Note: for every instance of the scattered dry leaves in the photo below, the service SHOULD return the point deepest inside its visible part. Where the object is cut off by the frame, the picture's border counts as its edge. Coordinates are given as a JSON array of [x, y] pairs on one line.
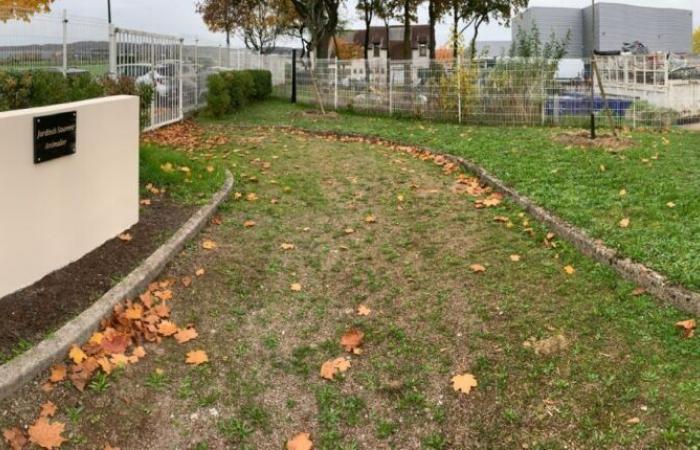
[[334, 366]]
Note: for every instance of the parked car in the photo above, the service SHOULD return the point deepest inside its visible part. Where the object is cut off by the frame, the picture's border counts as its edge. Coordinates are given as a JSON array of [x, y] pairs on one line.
[[71, 71], [685, 73], [143, 74]]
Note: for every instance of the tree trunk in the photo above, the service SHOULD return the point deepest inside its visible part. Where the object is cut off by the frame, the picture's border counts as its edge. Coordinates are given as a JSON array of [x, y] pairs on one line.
[[368, 23], [407, 30], [455, 31], [473, 43], [431, 21], [388, 54]]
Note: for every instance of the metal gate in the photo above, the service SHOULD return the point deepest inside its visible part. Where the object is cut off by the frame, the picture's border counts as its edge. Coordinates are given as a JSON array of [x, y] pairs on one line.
[[154, 60]]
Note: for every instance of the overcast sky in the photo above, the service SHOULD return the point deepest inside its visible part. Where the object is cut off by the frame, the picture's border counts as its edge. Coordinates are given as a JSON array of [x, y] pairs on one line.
[[178, 17]]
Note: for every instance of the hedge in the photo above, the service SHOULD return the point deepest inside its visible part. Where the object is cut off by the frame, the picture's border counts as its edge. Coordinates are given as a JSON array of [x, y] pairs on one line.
[[231, 90], [28, 89]]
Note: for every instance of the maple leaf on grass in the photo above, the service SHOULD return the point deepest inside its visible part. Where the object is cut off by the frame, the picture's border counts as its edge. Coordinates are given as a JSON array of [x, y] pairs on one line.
[[249, 224], [77, 354], [295, 287], [351, 341], [464, 383], [199, 272], [477, 268], [15, 438], [285, 246], [569, 270], [46, 434], [186, 335], [196, 357], [362, 310], [208, 244], [167, 328], [58, 373], [300, 441], [624, 223], [333, 366], [48, 409], [688, 327]]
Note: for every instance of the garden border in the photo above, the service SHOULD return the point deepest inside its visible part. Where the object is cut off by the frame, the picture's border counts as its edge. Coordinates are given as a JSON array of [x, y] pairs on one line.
[[653, 282], [23, 368]]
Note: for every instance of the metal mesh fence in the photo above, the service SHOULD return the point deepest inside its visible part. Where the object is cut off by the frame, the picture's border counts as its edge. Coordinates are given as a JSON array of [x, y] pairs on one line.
[[504, 91], [655, 90]]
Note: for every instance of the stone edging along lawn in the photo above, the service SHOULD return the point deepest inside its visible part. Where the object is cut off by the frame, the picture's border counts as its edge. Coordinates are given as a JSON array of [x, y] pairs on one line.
[[23, 368], [654, 283]]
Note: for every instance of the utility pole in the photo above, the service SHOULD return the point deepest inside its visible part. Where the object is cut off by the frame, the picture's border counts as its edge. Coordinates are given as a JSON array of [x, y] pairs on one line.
[[109, 11]]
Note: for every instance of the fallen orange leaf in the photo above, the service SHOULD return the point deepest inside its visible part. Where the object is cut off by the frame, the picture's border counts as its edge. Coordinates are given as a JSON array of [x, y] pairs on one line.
[[296, 287], [477, 268], [196, 357], [186, 335], [286, 246], [15, 438], [125, 237], [688, 327], [48, 409], [208, 244], [352, 340], [464, 383], [333, 366], [249, 223], [77, 354], [569, 270], [167, 328], [46, 434], [199, 272], [58, 373], [300, 441], [362, 310]]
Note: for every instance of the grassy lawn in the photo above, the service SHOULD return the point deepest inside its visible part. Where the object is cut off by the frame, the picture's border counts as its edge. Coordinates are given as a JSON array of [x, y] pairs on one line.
[[625, 378], [582, 186]]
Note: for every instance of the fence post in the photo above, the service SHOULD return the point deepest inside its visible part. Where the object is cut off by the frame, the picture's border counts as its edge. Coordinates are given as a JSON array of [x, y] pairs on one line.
[[65, 43], [238, 59], [112, 51], [294, 76], [543, 74], [459, 88], [391, 90], [335, 94], [181, 84], [221, 64]]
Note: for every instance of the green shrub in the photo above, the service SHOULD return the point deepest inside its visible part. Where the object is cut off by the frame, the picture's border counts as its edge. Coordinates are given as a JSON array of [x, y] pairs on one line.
[[236, 89], [263, 83], [48, 88], [218, 99], [240, 86], [83, 87], [15, 90], [127, 86]]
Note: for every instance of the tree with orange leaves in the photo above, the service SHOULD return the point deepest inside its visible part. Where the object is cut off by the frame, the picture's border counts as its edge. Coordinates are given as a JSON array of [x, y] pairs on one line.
[[23, 9]]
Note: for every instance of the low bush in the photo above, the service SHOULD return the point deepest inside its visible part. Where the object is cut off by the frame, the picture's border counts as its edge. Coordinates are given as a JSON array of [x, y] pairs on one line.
[[218, 100], [231, 90], [263, 83], [127, 86], [27, 89]]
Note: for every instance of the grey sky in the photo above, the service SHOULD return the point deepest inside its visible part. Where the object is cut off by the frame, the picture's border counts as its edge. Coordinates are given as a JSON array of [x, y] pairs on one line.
[[178, 17]]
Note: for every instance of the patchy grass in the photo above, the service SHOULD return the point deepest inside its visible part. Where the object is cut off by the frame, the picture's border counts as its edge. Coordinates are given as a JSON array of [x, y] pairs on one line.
[[581, 185], [432, 318], [185, 178]]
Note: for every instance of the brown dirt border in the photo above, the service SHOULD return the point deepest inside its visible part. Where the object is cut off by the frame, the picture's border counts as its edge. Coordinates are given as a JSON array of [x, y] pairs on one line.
[[20, 370], [654, 283]]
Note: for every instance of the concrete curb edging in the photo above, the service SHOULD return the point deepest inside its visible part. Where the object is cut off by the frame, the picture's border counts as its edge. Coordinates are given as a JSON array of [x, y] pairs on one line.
[[654, 283], [18, 371]]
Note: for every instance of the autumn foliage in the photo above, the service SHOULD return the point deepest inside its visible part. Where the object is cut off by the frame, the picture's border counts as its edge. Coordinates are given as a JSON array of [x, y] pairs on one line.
[[23, 9]]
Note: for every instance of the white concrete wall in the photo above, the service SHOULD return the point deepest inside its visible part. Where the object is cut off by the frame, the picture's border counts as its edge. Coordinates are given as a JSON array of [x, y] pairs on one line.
[[53, 213]]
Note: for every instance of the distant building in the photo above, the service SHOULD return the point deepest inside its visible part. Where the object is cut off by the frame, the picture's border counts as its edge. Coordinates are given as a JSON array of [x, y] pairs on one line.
[[380, 48], [659, 29]]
